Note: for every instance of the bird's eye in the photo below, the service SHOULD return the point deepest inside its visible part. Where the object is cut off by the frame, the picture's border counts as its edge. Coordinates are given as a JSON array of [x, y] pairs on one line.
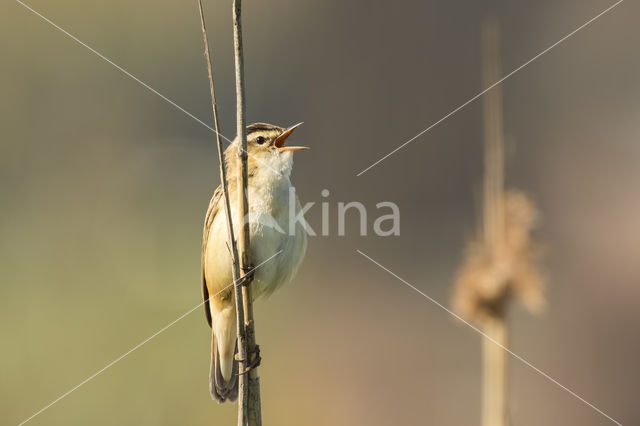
[[260, 140]]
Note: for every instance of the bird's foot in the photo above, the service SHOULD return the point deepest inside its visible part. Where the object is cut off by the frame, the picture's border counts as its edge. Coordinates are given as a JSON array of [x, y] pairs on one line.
[[247, 275], [255, 357], [255, 360]]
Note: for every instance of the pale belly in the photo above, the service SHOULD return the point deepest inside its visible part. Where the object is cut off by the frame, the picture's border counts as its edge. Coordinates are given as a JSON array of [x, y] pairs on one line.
[[275, 254]]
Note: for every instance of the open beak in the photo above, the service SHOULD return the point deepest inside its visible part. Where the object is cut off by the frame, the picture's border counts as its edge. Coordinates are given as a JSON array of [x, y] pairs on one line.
[[280, 140]]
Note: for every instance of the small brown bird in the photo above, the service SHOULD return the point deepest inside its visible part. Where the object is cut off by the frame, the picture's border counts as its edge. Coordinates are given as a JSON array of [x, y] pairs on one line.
[[273, 229]]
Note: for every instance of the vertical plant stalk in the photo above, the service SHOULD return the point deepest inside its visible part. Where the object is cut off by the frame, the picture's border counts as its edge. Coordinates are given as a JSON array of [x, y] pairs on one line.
[[502, 259], [494, 370], [236, 258], [494, 391], [249, 409]]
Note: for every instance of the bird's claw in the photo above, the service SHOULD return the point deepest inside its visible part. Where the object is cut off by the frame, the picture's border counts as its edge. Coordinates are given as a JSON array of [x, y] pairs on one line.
[[254, 362], [256, 359], [247, 275]]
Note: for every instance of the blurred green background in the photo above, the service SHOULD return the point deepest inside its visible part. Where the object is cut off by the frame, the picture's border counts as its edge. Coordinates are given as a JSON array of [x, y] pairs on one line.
[[104, 188]]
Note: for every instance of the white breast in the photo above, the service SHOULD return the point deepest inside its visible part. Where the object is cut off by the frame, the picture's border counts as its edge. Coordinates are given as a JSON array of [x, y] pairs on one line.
[[270, 211], [269, 234]]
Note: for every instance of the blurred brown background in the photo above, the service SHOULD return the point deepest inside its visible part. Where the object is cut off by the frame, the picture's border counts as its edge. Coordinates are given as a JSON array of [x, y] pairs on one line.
[[104, 187]]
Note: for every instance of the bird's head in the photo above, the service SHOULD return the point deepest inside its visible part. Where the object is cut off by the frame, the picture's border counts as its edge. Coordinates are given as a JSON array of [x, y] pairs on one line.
[[266, 148]]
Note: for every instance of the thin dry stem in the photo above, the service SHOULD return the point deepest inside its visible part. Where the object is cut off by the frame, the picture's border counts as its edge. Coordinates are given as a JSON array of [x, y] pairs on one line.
[[236, 267], [501, 260], [248, 404], [494, 371], [249, 408]]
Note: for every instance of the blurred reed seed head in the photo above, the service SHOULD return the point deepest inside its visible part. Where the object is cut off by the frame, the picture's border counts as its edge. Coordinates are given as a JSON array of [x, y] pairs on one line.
[[493, 273]]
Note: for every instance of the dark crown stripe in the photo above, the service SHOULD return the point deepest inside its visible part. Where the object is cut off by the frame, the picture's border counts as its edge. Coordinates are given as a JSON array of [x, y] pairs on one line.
[[261, 127]]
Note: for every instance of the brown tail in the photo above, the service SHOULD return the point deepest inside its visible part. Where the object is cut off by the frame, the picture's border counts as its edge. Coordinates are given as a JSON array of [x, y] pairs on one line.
[[220, 389]]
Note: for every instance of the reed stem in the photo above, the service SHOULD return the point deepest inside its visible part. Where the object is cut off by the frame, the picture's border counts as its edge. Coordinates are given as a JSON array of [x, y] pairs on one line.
[[494, 363], [494, 393]]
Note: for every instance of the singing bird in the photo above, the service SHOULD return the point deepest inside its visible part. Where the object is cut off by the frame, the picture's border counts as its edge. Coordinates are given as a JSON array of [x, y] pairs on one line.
[[274, 229]]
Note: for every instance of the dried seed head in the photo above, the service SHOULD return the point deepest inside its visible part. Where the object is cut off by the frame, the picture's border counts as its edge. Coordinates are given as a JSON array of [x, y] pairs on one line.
[[492, 274]]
